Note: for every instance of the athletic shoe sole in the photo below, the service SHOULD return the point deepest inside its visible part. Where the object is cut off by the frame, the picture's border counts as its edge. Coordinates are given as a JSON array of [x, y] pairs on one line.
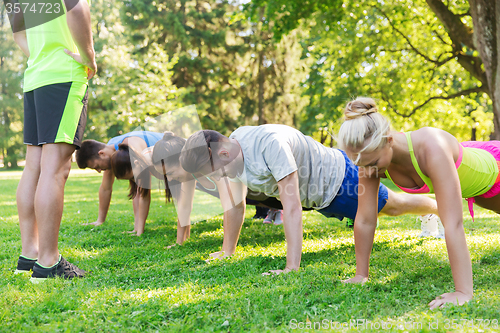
[[20, 271], [63, 269], [38, 280]]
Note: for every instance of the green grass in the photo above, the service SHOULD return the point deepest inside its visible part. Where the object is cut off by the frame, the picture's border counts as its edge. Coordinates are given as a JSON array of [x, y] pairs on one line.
[[137, 284]]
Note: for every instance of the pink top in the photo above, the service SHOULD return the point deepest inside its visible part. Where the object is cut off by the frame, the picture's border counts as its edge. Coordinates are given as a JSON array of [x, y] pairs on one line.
[[424, 189]]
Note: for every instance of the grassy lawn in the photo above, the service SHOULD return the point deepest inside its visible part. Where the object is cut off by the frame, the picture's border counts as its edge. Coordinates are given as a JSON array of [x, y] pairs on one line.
[[137, 284]]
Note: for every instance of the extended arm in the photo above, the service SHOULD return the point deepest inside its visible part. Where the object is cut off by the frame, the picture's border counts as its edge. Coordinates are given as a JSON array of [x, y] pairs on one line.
[[105, 191], [184, 208], [292, 219], [141, 203], [79, 23], [364, 225], [141, 210], [440, 167], [232, 196]]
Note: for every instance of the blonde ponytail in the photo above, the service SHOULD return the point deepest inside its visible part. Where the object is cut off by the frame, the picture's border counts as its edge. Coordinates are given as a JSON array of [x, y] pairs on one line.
[[363, 122]]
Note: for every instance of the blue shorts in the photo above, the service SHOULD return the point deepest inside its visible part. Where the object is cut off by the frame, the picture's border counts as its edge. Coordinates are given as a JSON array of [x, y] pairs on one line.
[[345, 203]]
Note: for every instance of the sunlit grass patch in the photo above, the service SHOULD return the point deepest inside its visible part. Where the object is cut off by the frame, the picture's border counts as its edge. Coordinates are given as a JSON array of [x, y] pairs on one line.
[[138, 284]]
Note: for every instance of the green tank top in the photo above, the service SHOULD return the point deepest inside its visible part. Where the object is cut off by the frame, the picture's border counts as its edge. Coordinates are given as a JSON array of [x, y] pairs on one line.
[[477, 170], [48, 63]]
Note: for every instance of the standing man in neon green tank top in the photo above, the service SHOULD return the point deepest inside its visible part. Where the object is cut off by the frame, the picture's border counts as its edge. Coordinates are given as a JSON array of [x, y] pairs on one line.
[[56, 36]]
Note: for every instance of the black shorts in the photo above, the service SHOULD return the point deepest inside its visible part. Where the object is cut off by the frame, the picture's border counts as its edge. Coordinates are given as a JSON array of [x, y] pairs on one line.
[[55, 113]]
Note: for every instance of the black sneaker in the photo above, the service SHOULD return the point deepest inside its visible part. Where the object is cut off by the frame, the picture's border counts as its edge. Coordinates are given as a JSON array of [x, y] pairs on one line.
[[24, 265], [260, 212], [63, 269]]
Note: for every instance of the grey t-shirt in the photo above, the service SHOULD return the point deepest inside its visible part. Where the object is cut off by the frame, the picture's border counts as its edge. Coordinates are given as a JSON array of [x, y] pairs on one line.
[[272, 152]]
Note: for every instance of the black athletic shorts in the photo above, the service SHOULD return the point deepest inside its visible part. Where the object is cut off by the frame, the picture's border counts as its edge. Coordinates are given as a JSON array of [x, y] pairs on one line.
[[55, 113]]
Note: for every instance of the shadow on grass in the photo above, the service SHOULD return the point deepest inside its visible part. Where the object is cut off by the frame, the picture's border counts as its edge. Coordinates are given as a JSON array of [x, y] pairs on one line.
[[149, 254]]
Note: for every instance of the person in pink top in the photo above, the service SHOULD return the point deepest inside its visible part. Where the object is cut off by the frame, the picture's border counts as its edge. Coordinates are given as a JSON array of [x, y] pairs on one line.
[[428, 160]]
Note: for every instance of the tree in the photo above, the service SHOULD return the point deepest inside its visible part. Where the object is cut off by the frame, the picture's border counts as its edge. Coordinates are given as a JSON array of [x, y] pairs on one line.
[[207, 48], [486, 39], [130, 88], [276, 70], [283, 16], [233, 71], [419, 44], [415, 77]]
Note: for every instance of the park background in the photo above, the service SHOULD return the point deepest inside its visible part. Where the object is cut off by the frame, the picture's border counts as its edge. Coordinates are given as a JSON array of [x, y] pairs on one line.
[[276, 61], [427, 63]]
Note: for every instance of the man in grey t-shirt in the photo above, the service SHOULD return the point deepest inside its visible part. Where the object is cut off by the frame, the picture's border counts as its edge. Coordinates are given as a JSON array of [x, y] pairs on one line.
[[280, 161], [272, 152]]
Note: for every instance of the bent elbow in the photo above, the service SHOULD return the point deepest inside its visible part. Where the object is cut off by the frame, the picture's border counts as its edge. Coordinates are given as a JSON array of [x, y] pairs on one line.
[[77, 12], [293, 211], [365, 223], [454, 227]]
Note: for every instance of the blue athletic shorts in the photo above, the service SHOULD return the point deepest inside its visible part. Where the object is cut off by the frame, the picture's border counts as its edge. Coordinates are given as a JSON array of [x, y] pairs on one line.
[[345, 204]]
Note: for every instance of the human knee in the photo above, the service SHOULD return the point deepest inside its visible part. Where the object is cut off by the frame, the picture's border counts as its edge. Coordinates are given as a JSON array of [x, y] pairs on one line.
[[56, 172], [64, 170], [32, 168], [394, 205], [392, 210]]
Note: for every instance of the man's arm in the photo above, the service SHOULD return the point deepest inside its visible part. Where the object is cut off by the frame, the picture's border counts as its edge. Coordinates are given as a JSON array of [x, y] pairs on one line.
[[184, 208], [232, 196], [19, 29], [105, 191], [141, 214], [22, 41], [79, 23], [292, 220]]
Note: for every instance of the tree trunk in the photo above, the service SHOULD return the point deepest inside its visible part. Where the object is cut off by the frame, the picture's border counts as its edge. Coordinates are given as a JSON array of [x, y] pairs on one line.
[[261, 80], [323, 136], [485, 17], [10, 160]]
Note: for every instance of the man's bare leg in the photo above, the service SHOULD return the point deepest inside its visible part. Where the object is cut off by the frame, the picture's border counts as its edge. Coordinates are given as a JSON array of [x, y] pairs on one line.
[[404, 203], [25, 197], [49, 199]]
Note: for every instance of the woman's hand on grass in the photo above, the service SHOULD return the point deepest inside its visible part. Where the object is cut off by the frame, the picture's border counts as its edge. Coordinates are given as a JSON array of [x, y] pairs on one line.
[[217, 256], [96, 223], [357, 279], [456, 298], [278, 271], [133, 232]]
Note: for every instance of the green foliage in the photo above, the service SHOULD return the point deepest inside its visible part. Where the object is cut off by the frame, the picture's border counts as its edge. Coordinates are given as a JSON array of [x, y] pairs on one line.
[[283, 16], [11, 93], [233, 72], [130, 87], [398, 54], [272, 92], [138, 284], [195, 33], [268, 61]]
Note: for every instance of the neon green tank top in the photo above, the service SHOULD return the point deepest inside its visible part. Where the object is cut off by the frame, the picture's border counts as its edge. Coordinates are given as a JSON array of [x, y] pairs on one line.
[[477, 170], [48, 63]]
